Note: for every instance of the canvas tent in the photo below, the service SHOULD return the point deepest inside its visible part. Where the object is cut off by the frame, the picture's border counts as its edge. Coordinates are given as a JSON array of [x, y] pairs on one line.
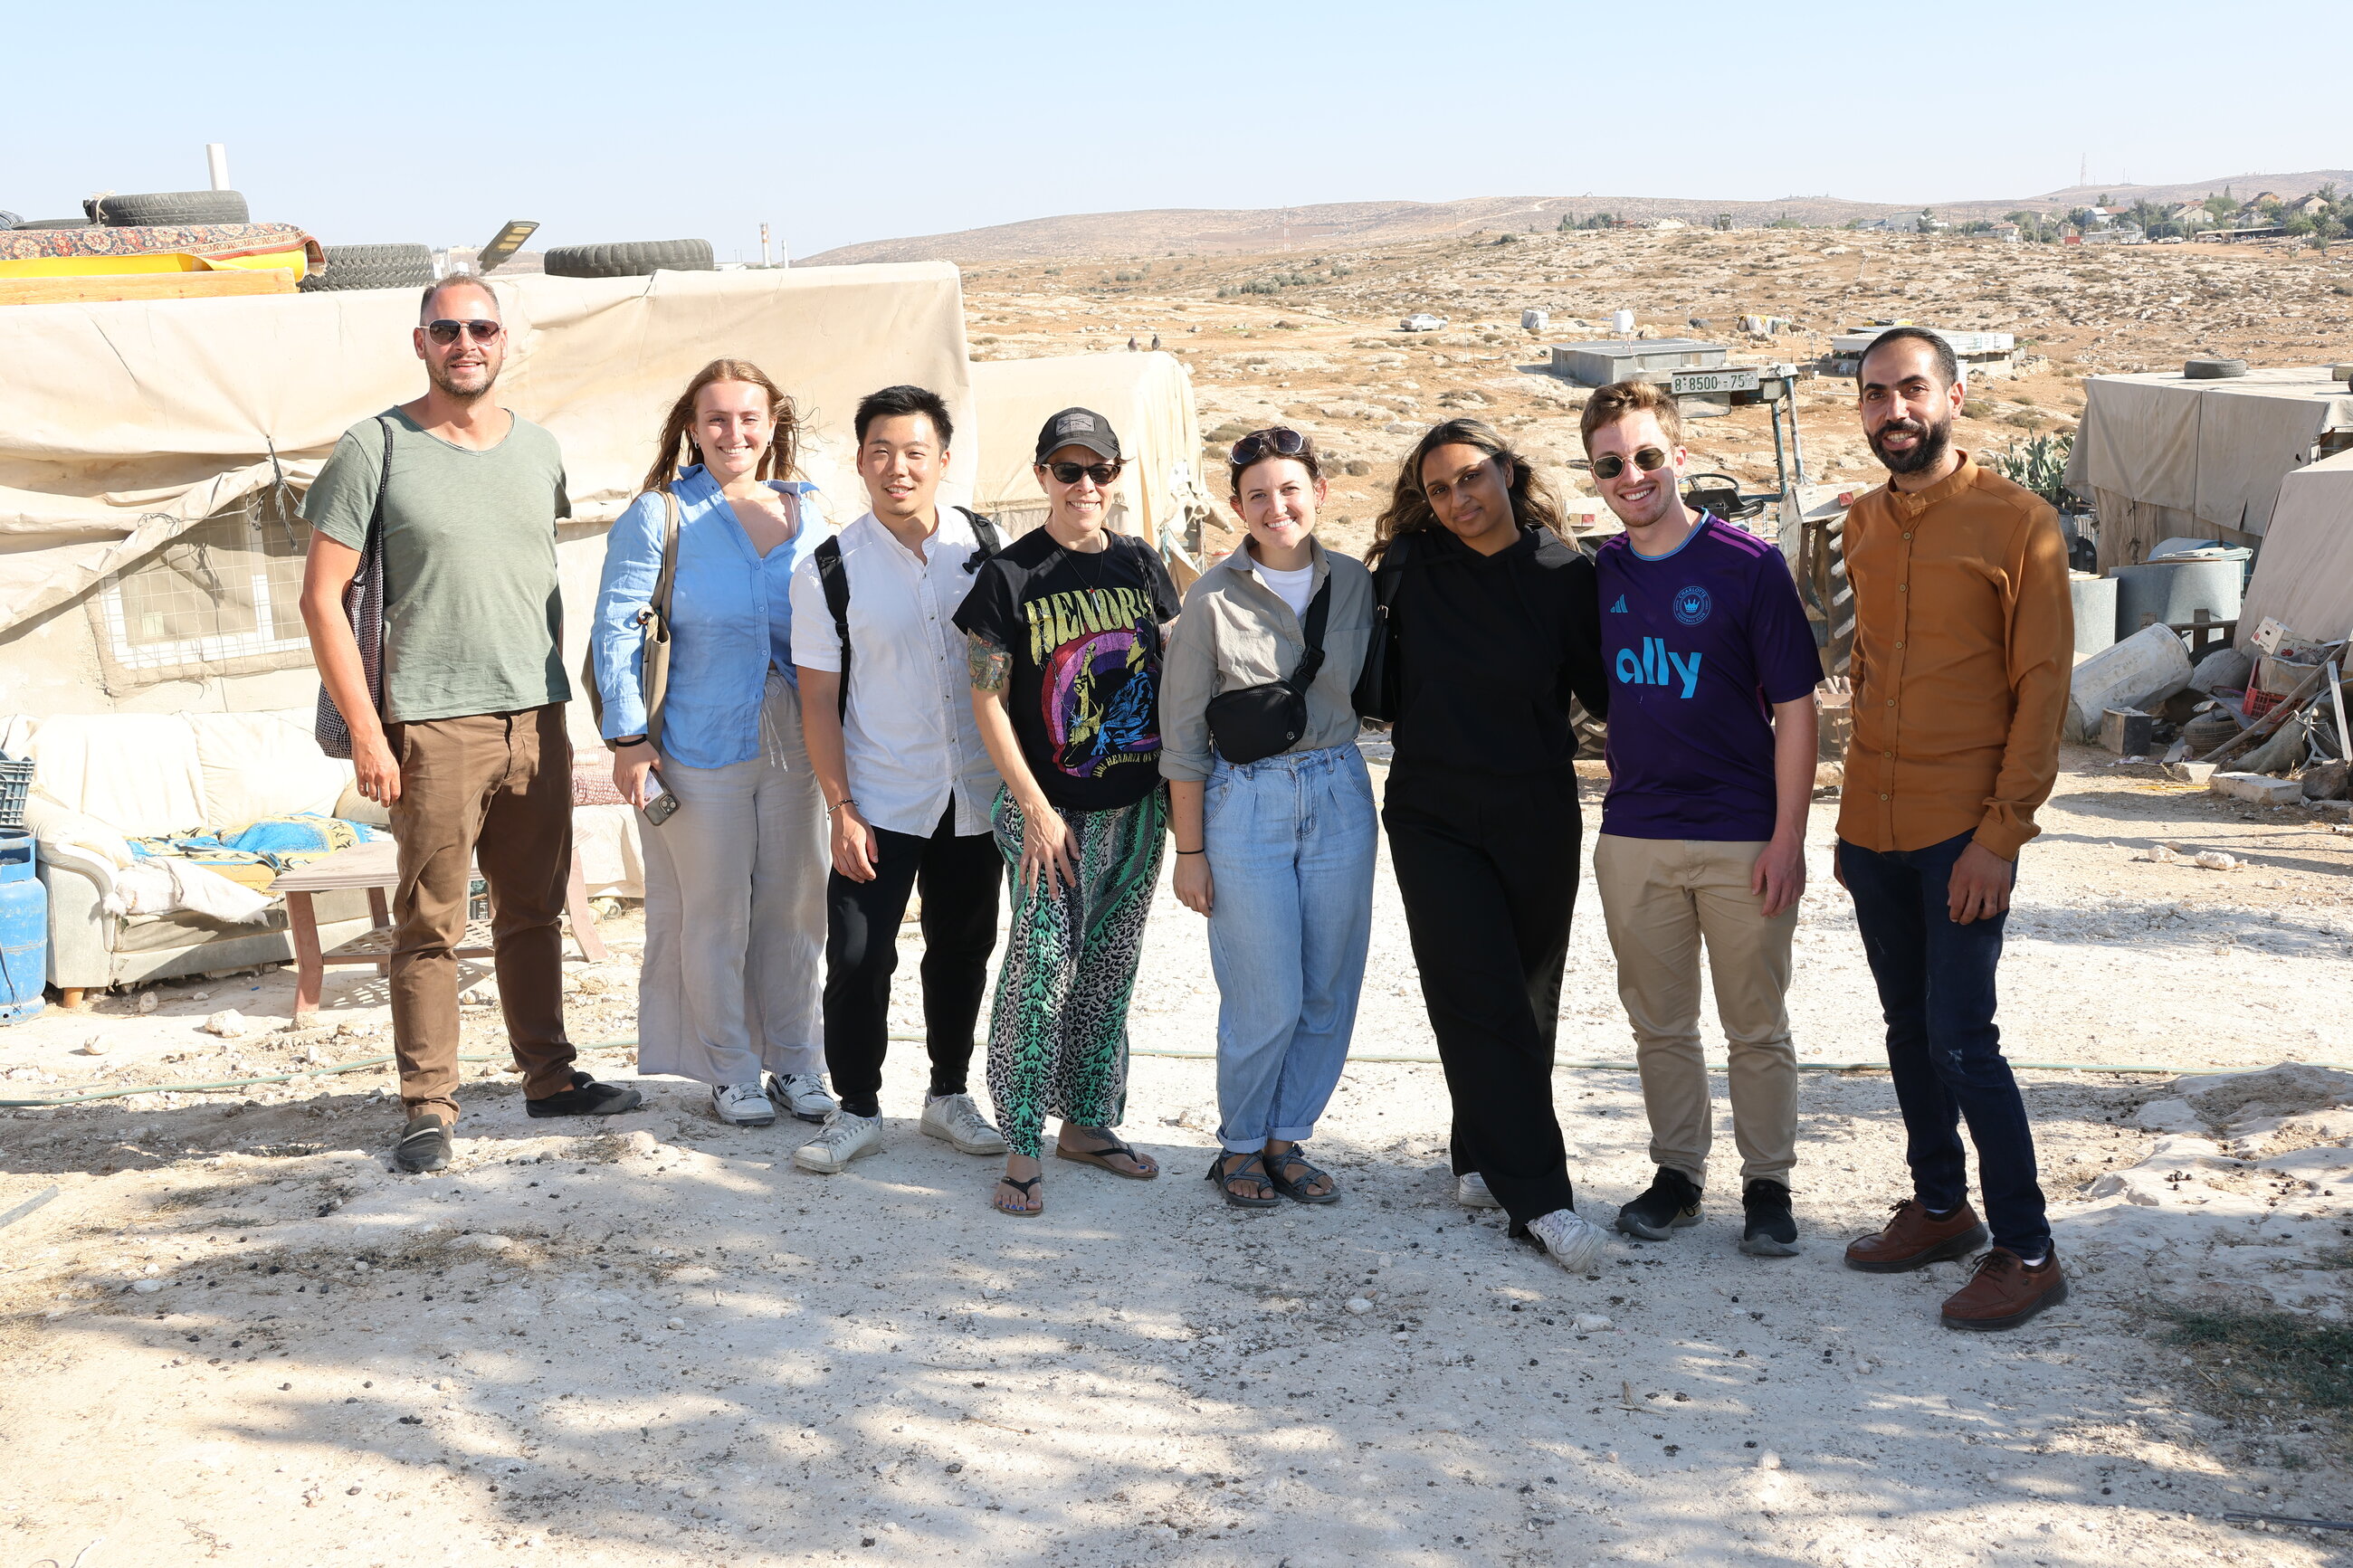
[[147, 558], [1148, 397], [2303, 577], [2164, 458]]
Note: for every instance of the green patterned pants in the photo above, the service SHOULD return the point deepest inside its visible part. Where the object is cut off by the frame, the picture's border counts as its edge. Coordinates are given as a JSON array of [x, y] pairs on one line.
[[1058, 1037]]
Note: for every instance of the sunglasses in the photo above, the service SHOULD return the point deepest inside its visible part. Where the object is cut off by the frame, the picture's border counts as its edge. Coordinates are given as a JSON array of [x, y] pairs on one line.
[[1068, 473], [445, 332], [1609, 465], [1277, 441]]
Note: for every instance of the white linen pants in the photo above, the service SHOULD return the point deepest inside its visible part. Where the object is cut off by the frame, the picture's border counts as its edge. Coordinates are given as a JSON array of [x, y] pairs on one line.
[[735, 913]]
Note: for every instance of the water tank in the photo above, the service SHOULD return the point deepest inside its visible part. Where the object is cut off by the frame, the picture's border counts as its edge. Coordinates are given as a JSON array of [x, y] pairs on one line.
[[2175, 591], [2095, 612], [24, 928]]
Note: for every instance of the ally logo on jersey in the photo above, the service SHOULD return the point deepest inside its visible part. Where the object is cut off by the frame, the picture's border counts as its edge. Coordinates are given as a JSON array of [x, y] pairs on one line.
[[1656, 665]]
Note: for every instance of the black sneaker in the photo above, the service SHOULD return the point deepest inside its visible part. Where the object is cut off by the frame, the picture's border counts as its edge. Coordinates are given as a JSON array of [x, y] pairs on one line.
[[1672, 1204], [586, 1097], [424, 1145], [1772, 1230]]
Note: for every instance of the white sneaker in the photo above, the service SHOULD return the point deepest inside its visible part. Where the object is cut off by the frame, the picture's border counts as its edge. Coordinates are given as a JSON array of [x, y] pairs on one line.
[[845, 1138], [741, 1104], [957, 1118], [1573, 1240], [1471, 1192], [803, 1094]]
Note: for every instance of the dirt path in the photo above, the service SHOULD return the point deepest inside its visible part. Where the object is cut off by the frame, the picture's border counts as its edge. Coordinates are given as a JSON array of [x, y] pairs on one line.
[[236, 1336]]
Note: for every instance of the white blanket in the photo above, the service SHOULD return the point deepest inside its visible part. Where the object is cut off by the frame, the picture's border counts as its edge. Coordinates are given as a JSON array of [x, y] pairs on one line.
[[163, 886]]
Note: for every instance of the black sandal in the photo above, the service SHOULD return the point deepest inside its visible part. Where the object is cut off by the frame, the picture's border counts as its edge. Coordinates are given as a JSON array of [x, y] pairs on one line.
[[1225, 1180], [1102, 1158], [1295, 1188], [1025, 1187]]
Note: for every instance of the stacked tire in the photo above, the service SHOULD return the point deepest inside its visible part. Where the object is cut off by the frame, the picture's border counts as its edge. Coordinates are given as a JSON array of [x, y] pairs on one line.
[[636, 259], [169, 210], [371, 267]]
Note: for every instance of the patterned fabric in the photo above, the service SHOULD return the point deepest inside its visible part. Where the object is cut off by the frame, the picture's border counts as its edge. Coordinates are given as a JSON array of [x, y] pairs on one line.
[[214, 242], [1058, 1037]]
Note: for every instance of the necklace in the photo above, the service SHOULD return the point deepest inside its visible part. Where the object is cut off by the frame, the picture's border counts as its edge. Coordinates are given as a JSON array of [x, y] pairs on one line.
[[1094, 589]]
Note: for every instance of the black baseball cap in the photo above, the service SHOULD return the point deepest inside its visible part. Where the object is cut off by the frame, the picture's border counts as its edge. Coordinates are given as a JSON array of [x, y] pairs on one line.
[[1079, 427]]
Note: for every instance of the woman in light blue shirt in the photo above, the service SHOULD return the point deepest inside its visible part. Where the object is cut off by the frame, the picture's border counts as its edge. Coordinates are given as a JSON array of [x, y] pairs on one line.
[[734, 873]]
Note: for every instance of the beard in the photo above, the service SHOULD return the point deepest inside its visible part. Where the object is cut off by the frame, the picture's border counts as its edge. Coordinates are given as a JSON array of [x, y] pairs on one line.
[[1928, 447], [478, 380]]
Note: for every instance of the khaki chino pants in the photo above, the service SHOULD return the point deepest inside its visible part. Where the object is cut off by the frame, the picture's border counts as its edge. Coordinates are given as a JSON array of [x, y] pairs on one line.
[[1662, 898], [492, 788]]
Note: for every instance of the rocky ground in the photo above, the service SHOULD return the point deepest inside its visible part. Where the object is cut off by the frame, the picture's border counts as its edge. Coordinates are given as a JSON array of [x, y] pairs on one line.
[[236, 1335], [1310, 337]]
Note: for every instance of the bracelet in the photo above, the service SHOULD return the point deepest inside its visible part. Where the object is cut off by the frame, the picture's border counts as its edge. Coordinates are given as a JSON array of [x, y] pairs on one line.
[[1192, 852], [845, 800]]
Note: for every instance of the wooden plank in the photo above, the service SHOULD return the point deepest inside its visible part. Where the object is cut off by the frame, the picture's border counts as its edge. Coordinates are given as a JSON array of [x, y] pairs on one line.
[[101, 288]]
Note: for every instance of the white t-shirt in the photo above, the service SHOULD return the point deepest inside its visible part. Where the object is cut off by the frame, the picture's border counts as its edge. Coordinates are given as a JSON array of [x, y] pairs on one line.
[[1294, 588]]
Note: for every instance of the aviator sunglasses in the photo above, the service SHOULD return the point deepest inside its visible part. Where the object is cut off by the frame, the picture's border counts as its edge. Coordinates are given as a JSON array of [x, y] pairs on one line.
[[1276, 441], [1609, 465], [1067, 473], [446, 332]]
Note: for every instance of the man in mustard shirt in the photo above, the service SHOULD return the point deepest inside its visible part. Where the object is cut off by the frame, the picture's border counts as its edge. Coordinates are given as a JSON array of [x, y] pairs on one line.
[[1962, 659]]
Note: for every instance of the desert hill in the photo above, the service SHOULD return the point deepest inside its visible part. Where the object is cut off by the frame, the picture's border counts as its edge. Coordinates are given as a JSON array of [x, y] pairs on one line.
[[1229, 231]]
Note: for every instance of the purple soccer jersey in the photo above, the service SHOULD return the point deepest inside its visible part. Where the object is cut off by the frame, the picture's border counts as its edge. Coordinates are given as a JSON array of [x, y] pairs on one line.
[[1697, 645]]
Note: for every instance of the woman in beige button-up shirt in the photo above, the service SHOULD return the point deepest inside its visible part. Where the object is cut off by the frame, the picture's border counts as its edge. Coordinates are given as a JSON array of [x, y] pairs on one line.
[[1277, 853]]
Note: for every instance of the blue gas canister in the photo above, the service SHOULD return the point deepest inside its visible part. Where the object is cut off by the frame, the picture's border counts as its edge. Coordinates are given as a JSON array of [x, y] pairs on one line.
[[24, 928]]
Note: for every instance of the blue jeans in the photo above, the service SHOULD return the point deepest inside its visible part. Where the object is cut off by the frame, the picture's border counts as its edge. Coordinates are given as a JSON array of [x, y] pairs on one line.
[[1290, 842], [1944, 1050]]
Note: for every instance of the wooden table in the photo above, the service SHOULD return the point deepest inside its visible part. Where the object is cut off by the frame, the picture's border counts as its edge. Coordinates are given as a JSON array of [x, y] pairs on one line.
[[376, 867]]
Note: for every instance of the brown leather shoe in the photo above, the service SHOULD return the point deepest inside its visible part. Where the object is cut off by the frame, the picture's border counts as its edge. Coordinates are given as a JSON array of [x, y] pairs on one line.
[[1914, 1239], [2004, 1292]]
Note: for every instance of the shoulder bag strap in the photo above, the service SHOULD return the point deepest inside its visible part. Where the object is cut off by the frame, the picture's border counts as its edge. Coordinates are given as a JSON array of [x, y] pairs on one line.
[[991, 542], [668, 574], [833, 576], [1310, 663]]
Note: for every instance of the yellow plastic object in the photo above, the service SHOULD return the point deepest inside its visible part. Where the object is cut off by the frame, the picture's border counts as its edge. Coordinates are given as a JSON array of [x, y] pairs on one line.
[[293, 258]]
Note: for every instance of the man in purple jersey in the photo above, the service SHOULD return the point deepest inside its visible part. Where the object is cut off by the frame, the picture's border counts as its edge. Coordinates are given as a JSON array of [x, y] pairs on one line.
[[1711, 669]]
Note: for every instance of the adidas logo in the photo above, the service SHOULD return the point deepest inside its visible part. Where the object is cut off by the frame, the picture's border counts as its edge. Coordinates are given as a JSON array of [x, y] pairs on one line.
[[1619, 607]]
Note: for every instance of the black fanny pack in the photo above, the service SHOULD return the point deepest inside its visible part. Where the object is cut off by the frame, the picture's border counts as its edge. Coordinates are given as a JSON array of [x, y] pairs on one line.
[[1253, 723]]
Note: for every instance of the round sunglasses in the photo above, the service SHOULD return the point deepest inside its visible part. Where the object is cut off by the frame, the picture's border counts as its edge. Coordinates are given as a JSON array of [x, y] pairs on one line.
[[1609, 465], [1275, 441]]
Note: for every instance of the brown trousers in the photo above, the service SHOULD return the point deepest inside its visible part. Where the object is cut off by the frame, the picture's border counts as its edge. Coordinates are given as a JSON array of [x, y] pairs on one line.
[[496, 788], [1663, 897]]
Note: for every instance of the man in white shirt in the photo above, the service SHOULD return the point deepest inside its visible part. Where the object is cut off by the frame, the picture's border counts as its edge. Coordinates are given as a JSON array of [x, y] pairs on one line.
[[908, 784]]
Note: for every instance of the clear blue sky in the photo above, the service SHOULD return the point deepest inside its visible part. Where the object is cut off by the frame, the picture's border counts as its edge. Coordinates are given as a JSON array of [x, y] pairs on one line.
[[867, 120]]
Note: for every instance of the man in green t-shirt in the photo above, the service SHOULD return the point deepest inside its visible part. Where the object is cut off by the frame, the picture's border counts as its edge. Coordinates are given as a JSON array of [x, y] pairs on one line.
[[468, 753]]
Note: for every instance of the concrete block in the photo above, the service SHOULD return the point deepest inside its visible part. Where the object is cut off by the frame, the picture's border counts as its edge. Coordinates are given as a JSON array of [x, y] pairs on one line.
[[2125, 732], [2261, 789], [2190, 773]]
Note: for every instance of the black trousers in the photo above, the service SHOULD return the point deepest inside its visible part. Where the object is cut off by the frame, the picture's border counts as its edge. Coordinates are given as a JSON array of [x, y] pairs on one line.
[[961, 879], [1487, 867]]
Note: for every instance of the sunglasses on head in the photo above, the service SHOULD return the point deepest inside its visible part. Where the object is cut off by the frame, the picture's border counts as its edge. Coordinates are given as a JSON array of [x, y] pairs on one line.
[[1609, 465], [1276, 441], [1067, 473], [446, 332]]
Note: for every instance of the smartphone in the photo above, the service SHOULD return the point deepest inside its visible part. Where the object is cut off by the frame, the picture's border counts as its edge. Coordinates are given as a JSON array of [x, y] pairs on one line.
[[661, 805]]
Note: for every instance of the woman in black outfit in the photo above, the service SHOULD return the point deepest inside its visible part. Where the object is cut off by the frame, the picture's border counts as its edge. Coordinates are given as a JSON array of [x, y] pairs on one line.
[[1497, 625]]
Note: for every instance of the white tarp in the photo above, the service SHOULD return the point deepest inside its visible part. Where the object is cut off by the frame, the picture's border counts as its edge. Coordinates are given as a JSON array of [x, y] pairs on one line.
[[123, 424], [2166, 456], [1148, 397], [2304, 575]]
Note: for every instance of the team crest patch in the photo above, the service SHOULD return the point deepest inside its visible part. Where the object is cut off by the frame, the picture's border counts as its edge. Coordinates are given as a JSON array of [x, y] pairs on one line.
[[1692, 604]]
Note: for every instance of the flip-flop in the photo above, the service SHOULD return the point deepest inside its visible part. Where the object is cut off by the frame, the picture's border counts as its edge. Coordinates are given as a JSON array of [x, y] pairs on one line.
[[1225, 1178], [1101, 1157], [1295, 1188], [1025, 1188]]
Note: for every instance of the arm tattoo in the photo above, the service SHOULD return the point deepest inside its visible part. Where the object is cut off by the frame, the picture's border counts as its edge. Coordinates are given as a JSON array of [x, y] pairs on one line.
[[991, 665]]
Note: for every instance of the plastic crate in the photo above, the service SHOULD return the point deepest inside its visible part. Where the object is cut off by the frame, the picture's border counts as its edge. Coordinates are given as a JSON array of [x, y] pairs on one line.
[[15, 784]]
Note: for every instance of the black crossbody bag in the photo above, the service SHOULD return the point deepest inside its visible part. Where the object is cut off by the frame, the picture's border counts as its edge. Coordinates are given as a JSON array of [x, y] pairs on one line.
[[1378, 695], [1253, 723]]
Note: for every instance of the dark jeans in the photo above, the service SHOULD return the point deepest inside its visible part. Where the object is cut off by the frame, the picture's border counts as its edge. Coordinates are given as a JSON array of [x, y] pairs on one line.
[[960, 878], [1487, 869], [1943, 1049]]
